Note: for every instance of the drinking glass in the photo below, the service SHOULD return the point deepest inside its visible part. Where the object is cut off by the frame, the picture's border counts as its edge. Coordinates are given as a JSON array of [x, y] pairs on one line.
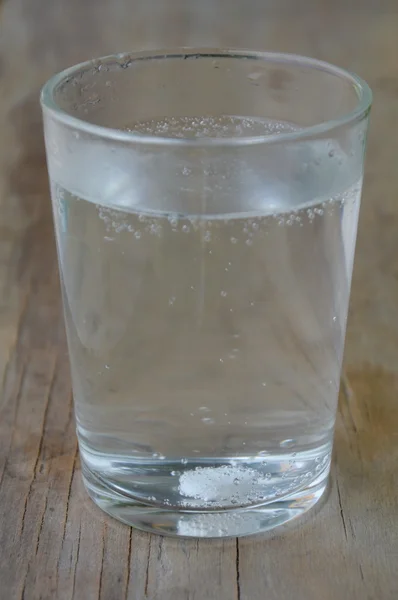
[[205, 207]]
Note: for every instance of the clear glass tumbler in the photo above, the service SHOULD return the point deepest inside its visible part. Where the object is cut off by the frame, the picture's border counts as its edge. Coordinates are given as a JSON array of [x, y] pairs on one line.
[[205, 206]]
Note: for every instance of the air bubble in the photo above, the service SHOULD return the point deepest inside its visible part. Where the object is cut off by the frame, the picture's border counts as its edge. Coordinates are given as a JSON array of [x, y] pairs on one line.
[[208, 420], [155, 229], [137, 235], [223, 294], [172, 300], [234, 240], [185, 228], [249, 242], [158, 455]]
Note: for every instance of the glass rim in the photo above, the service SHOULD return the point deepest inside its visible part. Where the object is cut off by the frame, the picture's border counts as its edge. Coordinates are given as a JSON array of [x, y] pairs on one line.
[[359, 112]]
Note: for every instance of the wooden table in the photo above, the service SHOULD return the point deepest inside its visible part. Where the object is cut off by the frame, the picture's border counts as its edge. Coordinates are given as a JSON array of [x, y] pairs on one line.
[[54, 543]]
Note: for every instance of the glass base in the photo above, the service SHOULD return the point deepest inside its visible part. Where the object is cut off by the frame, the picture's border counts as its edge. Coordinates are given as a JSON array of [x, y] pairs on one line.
[[205, 524]]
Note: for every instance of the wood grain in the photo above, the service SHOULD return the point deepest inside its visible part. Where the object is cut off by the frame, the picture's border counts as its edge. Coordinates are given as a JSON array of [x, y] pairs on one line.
[[54, 543]]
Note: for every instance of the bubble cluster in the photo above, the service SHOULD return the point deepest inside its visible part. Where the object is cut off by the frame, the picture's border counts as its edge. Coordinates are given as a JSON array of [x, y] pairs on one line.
[[211, 126], [222, 485]]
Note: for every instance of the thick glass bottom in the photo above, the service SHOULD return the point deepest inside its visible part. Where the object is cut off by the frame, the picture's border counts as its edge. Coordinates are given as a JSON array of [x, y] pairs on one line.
[[230, 522]]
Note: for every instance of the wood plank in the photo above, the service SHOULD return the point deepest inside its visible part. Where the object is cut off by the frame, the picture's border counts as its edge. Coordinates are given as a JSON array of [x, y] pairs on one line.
[[54, 543]]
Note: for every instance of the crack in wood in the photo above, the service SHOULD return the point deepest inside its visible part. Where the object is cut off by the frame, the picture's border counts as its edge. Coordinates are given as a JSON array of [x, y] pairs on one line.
[[67, 516], [70, 411], [238, 595], [348, 396], [24, 586], [76, 561], [69, 493], [147, 568], [104, 531], [341, 510], [40, 447], [128, 563], [41, 525]]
